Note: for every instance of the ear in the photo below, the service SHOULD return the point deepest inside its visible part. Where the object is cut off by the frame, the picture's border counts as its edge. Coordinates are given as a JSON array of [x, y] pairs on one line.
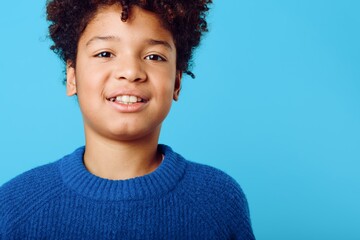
[[70, 79], [177, 86]]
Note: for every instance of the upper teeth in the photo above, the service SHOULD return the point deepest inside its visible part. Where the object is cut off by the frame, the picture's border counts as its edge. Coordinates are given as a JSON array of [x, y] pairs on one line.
[[127, 99]]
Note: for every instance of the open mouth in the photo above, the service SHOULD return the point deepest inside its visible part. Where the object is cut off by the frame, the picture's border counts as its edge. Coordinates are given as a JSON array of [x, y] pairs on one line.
[[127, 99]]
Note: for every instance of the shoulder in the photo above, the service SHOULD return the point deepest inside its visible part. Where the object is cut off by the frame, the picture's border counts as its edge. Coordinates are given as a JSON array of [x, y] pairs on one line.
[[198, 174], [220, 199], [27, 192], [36, 177], [214, 179], [42, 179]]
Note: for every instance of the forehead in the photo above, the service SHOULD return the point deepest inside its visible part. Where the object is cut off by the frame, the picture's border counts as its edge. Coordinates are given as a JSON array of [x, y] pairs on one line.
[[141, 22]]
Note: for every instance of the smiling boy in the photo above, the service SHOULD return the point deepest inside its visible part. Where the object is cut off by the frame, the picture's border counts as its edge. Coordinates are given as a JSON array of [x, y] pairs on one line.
[[125, 68], [125, 80]]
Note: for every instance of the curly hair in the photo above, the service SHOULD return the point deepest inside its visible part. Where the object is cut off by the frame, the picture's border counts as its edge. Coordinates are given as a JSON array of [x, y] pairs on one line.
[[185, 19]]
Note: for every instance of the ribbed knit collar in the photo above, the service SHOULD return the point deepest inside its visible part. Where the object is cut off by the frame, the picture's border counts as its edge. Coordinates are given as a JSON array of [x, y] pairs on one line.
[[157, 183]]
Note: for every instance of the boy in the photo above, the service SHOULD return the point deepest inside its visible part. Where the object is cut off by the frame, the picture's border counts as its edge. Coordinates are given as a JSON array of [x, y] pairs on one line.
[[124, 62]]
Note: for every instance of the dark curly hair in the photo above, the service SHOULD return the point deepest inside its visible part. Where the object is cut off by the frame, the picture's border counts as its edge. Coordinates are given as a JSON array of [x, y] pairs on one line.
[[185, 19]]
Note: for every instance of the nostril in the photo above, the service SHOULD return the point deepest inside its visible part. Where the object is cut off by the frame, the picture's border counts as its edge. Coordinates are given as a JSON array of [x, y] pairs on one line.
[[131, 70]]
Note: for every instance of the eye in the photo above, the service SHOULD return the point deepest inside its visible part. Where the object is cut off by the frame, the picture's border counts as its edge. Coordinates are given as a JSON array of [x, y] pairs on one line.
[[104, 55], [155, 57]]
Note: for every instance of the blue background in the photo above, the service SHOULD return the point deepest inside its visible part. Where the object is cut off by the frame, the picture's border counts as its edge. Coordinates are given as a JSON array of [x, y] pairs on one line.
[[276, 104]]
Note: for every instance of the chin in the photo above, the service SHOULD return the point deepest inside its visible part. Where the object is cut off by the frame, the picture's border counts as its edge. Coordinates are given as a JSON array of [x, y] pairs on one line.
[[134, 135]]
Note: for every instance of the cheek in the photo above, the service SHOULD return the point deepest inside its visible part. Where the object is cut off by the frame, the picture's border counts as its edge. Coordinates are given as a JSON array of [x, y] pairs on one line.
[[89, 91], [167, 91], [167, 98], [90, 80]]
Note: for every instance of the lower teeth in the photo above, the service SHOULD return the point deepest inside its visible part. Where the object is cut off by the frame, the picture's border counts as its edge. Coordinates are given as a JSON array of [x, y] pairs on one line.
[[126, 103]]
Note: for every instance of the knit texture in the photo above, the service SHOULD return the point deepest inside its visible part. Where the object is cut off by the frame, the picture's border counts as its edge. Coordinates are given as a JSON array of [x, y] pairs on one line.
[[179, 200]]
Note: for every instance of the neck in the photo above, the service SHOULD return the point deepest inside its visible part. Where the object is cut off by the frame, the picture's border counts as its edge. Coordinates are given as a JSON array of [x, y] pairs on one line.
[[120, 160]]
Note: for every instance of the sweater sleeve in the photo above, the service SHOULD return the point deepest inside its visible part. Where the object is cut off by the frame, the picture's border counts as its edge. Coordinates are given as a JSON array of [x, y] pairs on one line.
[[2, 215], [238, 216], [221, 202], [24, 195], [6, 208]]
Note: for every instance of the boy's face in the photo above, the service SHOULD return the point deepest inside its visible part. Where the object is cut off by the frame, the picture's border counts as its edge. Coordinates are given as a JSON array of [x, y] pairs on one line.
[[125, 75]]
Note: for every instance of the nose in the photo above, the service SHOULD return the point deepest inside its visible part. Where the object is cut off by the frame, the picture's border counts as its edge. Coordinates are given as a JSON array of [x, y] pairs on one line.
[[131, 69]]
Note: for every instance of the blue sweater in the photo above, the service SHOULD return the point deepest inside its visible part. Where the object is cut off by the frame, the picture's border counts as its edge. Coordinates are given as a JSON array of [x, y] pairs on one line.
[[179, 200]]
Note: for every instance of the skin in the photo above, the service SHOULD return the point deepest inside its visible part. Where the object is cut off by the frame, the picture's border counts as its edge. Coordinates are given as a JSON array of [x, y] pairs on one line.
[[137, 57]]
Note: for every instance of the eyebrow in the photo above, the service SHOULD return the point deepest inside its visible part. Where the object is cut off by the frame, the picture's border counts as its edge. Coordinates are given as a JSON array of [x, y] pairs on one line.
[[153, 42], [102, 38], [149, 41]]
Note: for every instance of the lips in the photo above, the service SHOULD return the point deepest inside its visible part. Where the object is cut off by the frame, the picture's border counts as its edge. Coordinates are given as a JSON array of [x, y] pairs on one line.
[[127, 100]]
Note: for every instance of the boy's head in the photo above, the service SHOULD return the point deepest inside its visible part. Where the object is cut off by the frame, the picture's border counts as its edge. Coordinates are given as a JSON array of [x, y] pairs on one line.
[[185, 19], [125, 60]]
